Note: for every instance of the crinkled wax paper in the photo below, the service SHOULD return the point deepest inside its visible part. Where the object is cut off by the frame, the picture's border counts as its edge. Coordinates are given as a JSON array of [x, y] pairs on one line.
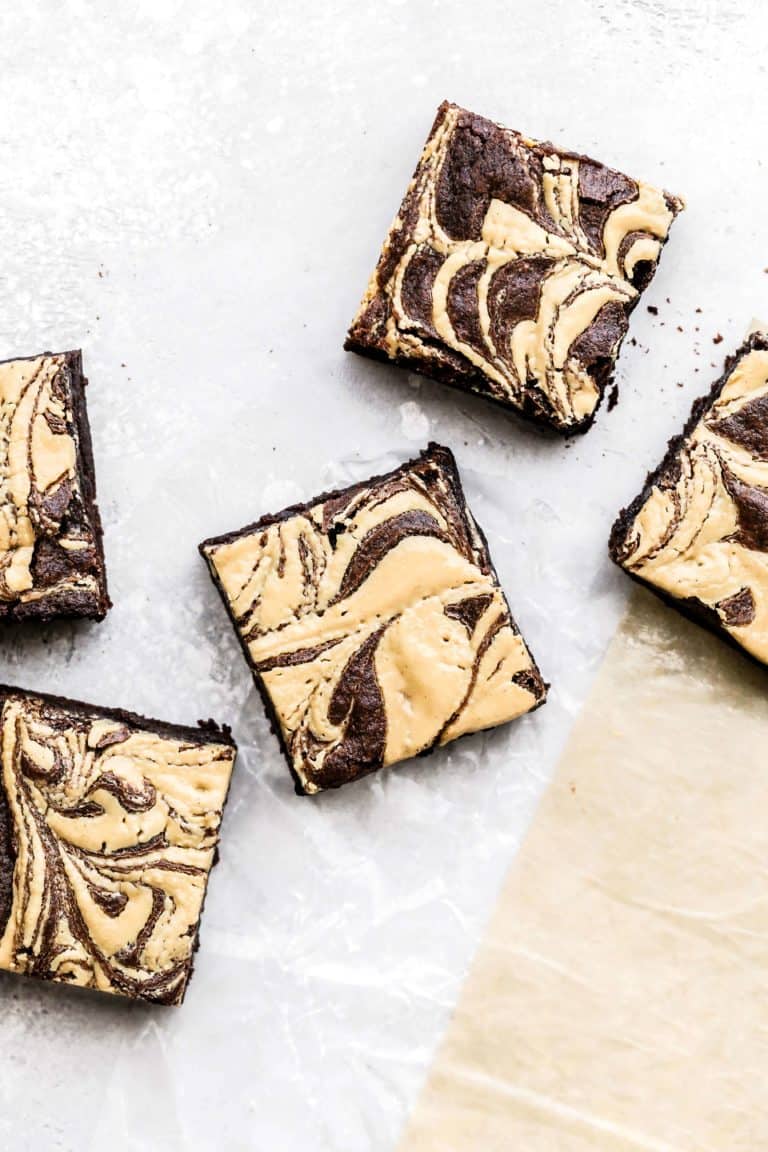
[[620, 997]]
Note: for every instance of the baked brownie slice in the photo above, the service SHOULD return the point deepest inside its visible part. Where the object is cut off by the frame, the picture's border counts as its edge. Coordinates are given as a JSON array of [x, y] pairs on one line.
[[374, 623], [51, 553], [108, 830], [698, 532], [511, 270]]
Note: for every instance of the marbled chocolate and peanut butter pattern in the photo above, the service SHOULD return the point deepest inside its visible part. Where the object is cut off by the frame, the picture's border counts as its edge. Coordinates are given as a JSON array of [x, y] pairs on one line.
[[375, 624], [48, 545], [511, 269], [109, 833], [699, 532]]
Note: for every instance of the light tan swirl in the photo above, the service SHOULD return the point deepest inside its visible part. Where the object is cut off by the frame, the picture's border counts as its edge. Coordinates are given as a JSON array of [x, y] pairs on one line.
[[114, 830]]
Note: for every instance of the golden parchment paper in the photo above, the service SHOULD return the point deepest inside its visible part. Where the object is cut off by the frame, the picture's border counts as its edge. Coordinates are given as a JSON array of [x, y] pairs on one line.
[[620, 997]]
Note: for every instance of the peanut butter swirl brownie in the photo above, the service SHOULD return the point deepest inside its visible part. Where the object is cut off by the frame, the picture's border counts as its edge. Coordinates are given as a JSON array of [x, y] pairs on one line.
[[374, 623], [698, 532], [511, 270], [51, 555], [108, 830]]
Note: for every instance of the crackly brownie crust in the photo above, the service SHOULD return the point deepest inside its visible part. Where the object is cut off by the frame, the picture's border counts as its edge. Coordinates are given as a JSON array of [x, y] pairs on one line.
[[505, 248], [56, 526], [337, 511], [108, 808], [732, 415]]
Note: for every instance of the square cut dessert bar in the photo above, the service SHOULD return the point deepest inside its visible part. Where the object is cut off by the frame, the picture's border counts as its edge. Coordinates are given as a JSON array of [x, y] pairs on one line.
[[511, 270], [374, 623], [51, 553], [109, 826], [697, 534]]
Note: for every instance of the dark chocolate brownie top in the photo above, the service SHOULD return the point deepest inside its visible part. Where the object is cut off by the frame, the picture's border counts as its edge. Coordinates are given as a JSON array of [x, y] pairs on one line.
[[108, 827], [511, 269], [374, 622], [698, 532], [50, 544]]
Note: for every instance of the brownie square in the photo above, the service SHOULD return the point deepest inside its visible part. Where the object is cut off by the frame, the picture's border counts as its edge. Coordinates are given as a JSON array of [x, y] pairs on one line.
[[51, 553], [697, 534], [374, 623], [109, 824], [511, 270]]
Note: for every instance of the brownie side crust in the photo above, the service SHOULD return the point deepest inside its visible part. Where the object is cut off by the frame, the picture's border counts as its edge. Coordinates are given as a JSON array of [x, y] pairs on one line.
[[435, 455], [207, 731], [88, 474], [346, 493], [485, 162], [668, 473], [7, 860]]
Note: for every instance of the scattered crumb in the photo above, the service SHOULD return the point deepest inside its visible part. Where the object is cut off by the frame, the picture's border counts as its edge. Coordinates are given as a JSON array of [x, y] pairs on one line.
[[717, 339], [668, 300], [653, 310], [572, 788], [680, 383], [633, 342], [679, 328], [613, 397], [699, 311]]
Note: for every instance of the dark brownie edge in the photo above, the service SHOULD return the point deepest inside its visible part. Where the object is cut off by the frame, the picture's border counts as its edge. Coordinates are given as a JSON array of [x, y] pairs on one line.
[[447, 461], [226, 739], [669, 471], [474, 384], [432, 451], [38, 355], [206, 732], [7, 860], [268, 706], [87, 469]]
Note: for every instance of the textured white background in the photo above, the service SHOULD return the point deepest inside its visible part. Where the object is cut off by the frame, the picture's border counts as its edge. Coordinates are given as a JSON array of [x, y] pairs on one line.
[[195, 193]]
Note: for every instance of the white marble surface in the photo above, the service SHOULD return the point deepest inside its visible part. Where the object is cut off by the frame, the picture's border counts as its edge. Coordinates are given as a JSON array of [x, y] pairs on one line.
[[195, 193]]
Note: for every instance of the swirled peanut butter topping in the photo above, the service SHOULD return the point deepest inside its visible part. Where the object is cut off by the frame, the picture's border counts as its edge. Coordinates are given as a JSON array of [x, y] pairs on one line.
[[112, 836], [511, 269], [375, 623], [43, 517], [699, 533]]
